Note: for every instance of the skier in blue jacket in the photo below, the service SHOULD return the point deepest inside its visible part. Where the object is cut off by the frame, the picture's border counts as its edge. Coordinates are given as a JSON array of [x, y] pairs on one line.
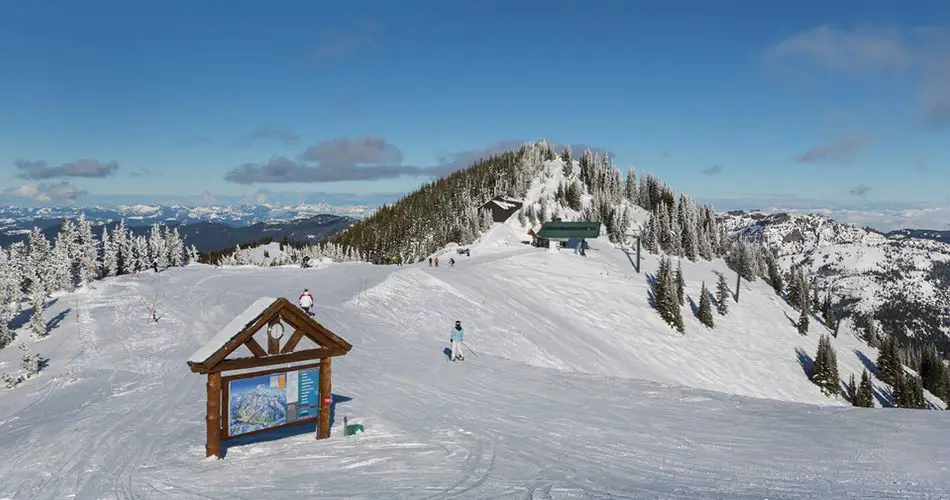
[[455, 339]]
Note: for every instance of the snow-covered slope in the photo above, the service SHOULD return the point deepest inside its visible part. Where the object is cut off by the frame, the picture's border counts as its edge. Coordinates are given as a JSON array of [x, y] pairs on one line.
[[572, 388], [860, 266]]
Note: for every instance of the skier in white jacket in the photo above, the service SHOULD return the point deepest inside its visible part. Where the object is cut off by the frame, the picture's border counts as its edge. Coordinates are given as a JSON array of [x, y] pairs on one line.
[[306, 301]]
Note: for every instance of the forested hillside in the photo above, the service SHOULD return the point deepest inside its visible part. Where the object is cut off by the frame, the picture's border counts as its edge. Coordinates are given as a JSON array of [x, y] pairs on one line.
[[590, 188]]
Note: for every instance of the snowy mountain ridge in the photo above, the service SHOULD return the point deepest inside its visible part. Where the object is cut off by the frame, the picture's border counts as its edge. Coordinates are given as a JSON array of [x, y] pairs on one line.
[[865, 270]]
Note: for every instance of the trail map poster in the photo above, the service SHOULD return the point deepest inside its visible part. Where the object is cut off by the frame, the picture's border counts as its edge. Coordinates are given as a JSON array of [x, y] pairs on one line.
[[267, 401]]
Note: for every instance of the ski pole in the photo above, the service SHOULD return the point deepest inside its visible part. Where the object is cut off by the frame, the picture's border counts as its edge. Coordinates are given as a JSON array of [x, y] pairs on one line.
[[470, 349]]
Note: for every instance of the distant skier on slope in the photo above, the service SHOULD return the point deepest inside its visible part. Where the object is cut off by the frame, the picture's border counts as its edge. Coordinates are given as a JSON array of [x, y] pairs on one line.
[[455, 339], [306, 301]]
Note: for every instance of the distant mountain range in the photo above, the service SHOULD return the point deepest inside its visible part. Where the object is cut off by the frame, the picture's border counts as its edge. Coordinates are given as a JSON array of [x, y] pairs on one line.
[[232, 214], [207, 228], [924, 234]]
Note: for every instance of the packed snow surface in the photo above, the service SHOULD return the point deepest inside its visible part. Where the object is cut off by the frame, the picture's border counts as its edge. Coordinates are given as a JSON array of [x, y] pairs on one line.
[[571, 388]]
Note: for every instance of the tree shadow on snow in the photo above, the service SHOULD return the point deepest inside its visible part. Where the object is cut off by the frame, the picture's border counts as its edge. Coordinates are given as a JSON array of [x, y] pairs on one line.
[[287, 432], [790, 319], [808, 364], [55, 321], [651, 297], [24, 317], [884, 399], [870, 365], [693, 306]]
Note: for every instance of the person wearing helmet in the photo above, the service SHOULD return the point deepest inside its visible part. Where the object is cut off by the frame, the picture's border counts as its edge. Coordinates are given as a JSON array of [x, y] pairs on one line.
[[455, 340], [306, 301]]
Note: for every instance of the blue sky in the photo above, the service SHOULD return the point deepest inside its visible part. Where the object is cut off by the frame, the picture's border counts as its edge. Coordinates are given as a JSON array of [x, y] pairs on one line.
[[844, 103]]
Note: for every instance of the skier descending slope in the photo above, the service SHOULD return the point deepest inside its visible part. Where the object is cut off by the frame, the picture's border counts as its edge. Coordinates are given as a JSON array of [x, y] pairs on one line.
[[306, 301], [455, 339]]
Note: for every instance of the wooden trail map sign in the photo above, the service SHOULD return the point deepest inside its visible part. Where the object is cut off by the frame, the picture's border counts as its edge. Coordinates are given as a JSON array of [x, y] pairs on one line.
[[261, 400]]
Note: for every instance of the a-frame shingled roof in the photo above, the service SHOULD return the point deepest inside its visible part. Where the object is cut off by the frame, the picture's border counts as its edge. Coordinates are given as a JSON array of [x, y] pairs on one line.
[[240, 331]]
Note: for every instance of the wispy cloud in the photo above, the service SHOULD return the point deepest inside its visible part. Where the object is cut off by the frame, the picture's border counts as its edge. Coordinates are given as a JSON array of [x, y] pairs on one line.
[[872, 52], [860, 190], [841, 150], [712, 170], [43, 192], [864, 48], [935, 94], [266, 132], [39, 170], [363, 159], [336, 44]]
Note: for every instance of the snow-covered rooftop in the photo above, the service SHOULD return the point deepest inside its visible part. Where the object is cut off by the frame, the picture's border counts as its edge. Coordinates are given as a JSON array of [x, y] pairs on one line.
[[231, 329]]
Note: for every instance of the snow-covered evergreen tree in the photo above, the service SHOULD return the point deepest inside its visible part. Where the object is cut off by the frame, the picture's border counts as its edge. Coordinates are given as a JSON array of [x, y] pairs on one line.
[[722, 295], [660, 290], [680, 284], [652, 242], [125, 245], [157, 251], [62, 276], [826, 367], [775, 274], [688, 227], [40, 257], [175, 247], [630, 187], [30, 361], [899, 390], [87, 251], [665, 293], [865, 394], [110, 252], [140, 253], [9, 289], [704, 312], [37, 324], [852, 391], [888, 360], [673, 304], [192, 254], [803, 323], [6, 333]]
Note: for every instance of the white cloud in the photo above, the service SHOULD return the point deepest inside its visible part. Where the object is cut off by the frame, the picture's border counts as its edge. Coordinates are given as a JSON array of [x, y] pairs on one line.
[[47, 192]]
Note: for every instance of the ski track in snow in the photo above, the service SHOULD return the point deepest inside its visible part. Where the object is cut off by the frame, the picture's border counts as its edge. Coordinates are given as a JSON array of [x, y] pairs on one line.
[[575, 389]]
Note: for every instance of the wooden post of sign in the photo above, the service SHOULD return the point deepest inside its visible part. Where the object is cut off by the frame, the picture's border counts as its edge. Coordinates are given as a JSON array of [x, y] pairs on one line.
[[323, 426], [213, 442]]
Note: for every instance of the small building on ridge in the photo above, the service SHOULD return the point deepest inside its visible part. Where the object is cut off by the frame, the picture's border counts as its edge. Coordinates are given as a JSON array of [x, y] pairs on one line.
[[502, 208]]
